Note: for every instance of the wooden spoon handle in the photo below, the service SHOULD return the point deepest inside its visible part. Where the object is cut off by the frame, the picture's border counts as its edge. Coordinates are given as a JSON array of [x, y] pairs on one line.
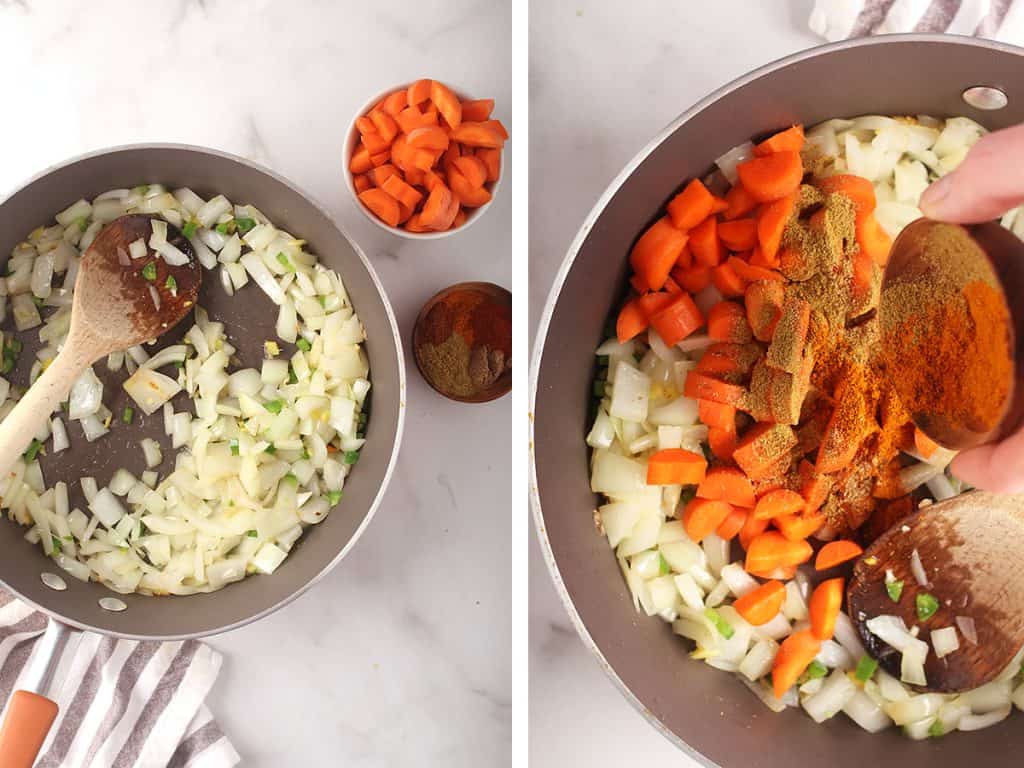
[[37, 404]]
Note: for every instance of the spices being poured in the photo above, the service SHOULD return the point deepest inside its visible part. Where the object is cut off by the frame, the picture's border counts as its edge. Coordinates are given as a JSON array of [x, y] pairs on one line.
[[946, 329], [463, 342]]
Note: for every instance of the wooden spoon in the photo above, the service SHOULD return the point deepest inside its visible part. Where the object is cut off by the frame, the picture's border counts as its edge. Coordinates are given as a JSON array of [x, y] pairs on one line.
[[113, 308], [970, 547]]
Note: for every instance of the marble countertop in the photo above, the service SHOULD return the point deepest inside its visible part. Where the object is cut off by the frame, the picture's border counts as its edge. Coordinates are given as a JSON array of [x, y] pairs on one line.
[[402, 656], [602, 83]]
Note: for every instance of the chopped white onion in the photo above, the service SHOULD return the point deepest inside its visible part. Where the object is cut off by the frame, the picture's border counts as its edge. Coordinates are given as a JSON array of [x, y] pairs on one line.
[[917, 569], [967, 628]]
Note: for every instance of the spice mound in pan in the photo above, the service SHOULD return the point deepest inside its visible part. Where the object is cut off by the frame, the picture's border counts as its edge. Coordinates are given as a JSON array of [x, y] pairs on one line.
[[462, 342]]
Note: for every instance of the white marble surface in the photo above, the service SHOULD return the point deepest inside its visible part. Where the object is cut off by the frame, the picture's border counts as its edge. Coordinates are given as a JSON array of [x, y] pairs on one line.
[[402, 656], [603, 81]]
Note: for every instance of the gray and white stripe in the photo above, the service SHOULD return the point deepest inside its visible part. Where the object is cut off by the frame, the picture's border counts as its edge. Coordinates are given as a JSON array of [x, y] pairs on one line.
[[996, 19], [123, 703]]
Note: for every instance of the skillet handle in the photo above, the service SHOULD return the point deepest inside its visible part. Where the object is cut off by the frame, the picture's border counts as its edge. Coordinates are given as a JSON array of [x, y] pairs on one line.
[[28, 721]]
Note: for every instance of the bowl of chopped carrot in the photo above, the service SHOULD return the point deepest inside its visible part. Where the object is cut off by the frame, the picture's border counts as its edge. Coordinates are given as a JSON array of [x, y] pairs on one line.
[[423, 161]]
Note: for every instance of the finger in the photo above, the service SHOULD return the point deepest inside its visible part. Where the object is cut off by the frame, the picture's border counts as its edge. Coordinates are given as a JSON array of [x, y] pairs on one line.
[[998, 468], [986, 184]]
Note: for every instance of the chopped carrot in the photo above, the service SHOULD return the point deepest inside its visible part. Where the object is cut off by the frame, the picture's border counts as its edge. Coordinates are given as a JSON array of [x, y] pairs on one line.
[[789, 140], [794, 656], [824, 605], [492, 162], [702, 517], [460, 219], [418, 92], [433, 137], [716, 414], [778, 503], [447, 103], [685, 258], [751, 273], [380, 158], [718, 205], [382, 173], [430, 179], [836, 553], [732, 525], [395, 103], [677, 320], [671, 285], [638, 284], [728, 283], [761, 605], [385, 124], [707, 249], [773, 176], [656, 251], [845, 429], [856, 188], [410, 118], [873, 240], [771, 549], [771, 223], [362, 183], [365, 125], [779, 573], [739, 202], [691, 206], [402, 192], [375, 143], [435, 209], [702, 387], [477, 110], [675, 466], [763, 300], [727, 321], [694, 279], [786, 350], [415, 224], [482, 134], [925, 445], [862, 278], [497, 127], [759, 259], [722, 442], [473, 168], [739, 234], [762, 447], [632, 320], [815, 488], [653, 303], [383, 205], [752, 528], [465, 192], [727, 484], [795, 527], [360, 162]]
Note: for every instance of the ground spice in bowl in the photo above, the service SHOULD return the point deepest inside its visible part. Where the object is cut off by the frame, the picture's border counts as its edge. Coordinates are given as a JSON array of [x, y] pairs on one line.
[[462, 342], [946, 329]]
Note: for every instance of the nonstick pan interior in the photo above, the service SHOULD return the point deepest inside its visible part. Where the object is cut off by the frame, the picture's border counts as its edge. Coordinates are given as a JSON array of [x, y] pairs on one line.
[[707, 712], [249, 318]]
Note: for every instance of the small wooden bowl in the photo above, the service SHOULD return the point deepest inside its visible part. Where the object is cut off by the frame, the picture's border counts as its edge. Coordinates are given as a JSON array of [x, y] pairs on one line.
[[1005, 254], [503, 384]]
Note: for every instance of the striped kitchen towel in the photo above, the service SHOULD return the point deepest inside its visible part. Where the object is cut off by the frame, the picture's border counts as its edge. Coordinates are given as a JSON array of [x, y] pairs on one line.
[[123, 703], [995, 19]]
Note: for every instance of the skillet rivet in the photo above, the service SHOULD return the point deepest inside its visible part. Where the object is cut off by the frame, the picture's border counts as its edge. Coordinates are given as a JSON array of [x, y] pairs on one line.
[[53, 581], [985, 97], [112, 604]]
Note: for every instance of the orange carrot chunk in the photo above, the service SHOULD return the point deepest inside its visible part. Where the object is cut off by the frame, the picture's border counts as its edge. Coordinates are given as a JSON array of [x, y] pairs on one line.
[[395, 102], [477, 110], [857, 188], [739, 202], [447, 103], [789, 140], [824, 605], [481, 134], [762, 604], [694, 279], [752, 528], [410, 118], [727, 281], [732, 525], [771, 177], [492, 162], [691, 206], [431, 137], [727, 321], [702, 517], [763, 301], [795, 527], [836, 553], [677, 320], [468, 195], [702, 387], [873, 240], [777, 503], [762, 447], [716, 414], [473, 168], [656, 251], [632, 321], [795, 654], [435, 209], [771, 223], [362, 183], [707, 248], [383, 205], [360, 162], [727, 484], [402, 192], [771, 550], [924, 444], [722, 441], [385, 125], [738, 235], [675, 466]]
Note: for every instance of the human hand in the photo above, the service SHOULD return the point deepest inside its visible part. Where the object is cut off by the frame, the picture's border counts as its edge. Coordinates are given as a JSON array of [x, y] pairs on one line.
[[985, 185]]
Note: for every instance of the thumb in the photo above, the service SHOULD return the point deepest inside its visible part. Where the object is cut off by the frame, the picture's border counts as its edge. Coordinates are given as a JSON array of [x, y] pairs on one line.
[[985, 185], [994, 467]]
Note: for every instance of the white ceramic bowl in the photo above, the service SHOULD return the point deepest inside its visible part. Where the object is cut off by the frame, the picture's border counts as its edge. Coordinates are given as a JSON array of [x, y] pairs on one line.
[[352, 138]]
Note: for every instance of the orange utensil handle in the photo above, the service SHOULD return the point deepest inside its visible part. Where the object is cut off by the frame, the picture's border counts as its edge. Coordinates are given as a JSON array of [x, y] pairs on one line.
[[28, 720]]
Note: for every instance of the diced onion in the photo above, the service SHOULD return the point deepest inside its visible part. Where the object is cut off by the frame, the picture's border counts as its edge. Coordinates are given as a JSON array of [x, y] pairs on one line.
[[944, 641], [727, 162], [150, 389], [967, 628], [917, 569]]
